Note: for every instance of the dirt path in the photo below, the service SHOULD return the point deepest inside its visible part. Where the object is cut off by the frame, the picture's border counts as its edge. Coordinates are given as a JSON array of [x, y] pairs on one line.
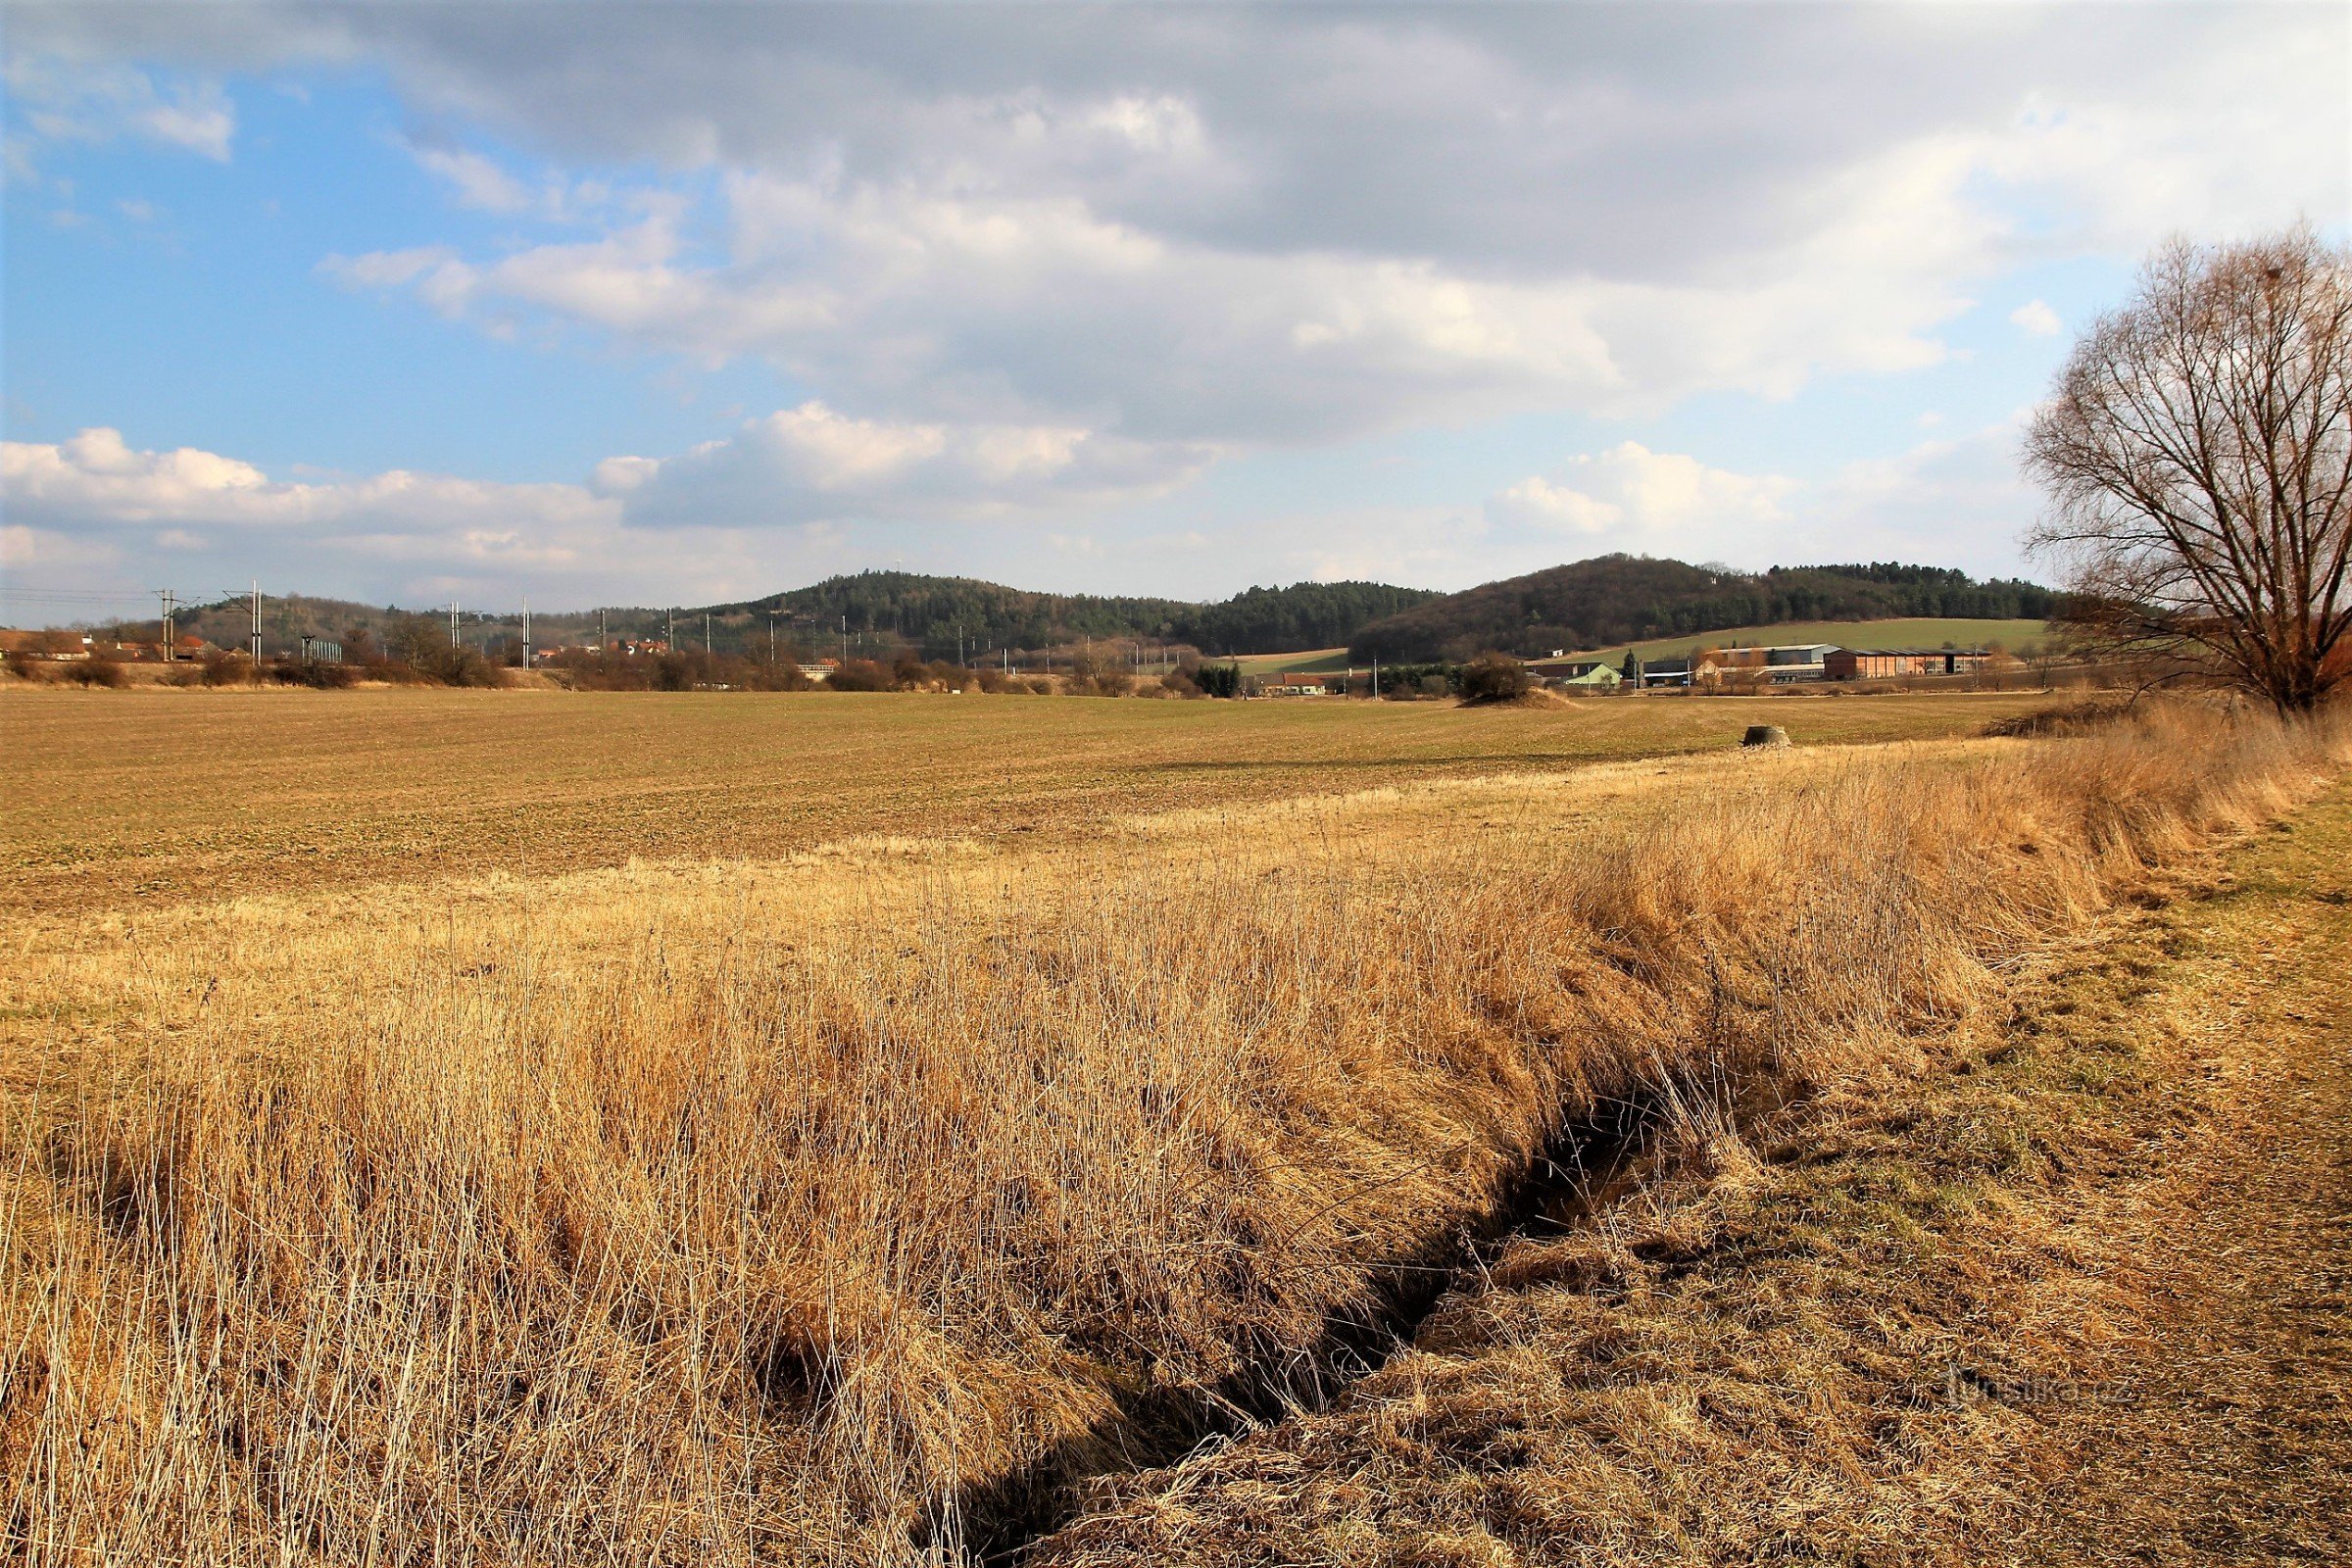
[[2232, 1440], [2080, 1292]]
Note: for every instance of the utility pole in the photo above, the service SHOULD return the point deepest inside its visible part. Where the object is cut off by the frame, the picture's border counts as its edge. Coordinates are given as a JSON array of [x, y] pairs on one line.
[[256, 624], [526, 631], [771, 640], [844, 636], [601, 644], [705, 634], [453, 625], [170, 623]]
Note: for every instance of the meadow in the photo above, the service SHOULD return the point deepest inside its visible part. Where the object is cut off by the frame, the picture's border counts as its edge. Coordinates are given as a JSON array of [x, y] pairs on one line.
[[625, 1190], [136, 797], [1903, 632]]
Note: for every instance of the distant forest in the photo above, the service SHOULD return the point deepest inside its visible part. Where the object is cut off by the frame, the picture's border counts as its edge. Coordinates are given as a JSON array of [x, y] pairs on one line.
[[881, 612], [1620, 598], [931, 613]]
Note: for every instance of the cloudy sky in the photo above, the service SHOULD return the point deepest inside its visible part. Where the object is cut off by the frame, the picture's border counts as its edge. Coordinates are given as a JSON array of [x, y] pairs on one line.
[[674, 301]]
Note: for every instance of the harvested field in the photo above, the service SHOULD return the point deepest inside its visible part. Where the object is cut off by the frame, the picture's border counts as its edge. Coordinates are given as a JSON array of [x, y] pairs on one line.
[[841, 1206], [153, 795]]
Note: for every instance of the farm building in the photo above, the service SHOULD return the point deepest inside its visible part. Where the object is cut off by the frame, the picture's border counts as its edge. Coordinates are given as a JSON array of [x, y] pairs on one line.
[[1781, 665], [1664, 671], [1559, 669], [1302, 683], [1886, 664]]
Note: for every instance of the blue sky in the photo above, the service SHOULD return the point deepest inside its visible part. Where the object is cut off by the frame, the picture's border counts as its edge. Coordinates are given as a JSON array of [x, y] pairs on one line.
[[634, 304]]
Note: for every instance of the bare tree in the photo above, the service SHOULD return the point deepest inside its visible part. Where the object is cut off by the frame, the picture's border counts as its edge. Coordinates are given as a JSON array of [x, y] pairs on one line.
[[2198, 456]]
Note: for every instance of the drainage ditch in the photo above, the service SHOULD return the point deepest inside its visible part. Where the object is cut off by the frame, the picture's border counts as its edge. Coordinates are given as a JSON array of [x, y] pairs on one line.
[[1586, 1167]]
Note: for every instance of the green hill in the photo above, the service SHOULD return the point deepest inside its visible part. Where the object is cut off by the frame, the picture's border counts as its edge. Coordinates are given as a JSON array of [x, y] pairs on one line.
[[881, 610], [1615, 600], [933, 612]]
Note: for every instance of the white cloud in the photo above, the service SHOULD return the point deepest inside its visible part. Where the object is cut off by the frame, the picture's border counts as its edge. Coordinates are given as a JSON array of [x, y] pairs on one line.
[[480, 182], [63, 100], [1016, 255], [1631, 498], [812, 465], [1535, 502], [1953, 500], [2038, 319], [1043, 273], [97, 484], [759, 505]]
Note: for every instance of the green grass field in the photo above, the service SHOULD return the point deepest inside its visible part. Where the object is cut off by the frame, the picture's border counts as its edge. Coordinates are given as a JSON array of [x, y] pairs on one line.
[[2012, 636], [1313, 660], [120, 798]]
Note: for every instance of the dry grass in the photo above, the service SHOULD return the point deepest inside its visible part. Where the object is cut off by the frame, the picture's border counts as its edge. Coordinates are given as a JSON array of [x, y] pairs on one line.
[[148, 796], [743, 1212], [2073, 1295]]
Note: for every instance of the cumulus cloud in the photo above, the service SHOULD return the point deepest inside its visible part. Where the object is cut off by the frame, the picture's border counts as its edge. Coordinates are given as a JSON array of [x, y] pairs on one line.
[[1635, 499], [1019, 277], [760, 502], [812, 465], [96, 485], [1280, 225], [1019, 269], [2038, 319], [1957, 501]]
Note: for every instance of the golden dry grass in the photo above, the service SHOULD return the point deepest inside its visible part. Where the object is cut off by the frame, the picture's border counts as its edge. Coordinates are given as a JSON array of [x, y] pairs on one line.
[[2073, 1295], [138, 797], [753, 1211]]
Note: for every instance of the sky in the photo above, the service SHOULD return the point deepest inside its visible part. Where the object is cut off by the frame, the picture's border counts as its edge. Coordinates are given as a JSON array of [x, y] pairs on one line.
[[679, 303]]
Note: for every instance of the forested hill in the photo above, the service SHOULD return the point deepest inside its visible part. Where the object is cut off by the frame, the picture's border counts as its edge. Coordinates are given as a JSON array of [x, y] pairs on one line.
[[1619, 599], [932, 612], [884, 609]]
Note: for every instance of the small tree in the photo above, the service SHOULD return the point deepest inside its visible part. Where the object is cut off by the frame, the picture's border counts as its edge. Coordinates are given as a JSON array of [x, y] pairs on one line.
[[1494, 679], [2198, 456], [1219, 680]]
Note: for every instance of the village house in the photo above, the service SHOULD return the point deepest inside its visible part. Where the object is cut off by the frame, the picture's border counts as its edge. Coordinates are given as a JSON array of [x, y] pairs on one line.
[[1587, 674], [1302, 683]]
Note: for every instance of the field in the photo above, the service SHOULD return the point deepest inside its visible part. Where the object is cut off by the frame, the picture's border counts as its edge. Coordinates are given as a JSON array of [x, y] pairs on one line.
[[533, 1128], [144, 796], [2013, 635], [1311, 661]]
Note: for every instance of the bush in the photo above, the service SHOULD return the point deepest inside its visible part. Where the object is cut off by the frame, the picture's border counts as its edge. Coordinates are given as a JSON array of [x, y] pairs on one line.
[[22, 664], [861, 676], [224, 669], [1494, 679], [316, 673], [1179, 683], [94, 672]]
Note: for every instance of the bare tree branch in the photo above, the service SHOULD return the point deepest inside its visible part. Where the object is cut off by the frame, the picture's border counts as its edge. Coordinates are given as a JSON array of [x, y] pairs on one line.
[[2198, 457]]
